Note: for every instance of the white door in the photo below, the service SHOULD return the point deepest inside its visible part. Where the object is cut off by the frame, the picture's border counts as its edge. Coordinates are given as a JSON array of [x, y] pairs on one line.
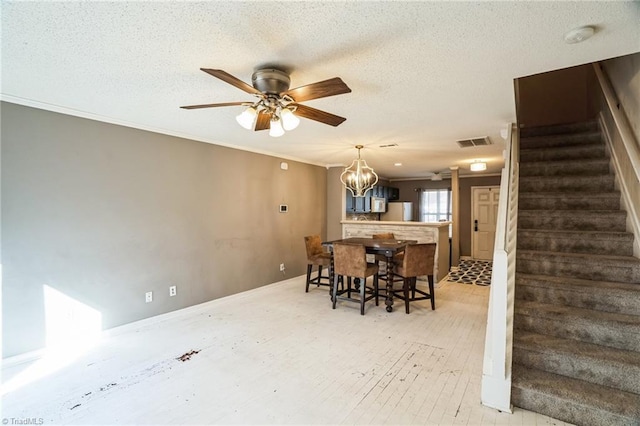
[[483, 221]]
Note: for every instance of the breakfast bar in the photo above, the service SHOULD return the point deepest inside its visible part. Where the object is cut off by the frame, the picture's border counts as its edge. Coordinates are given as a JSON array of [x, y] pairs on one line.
[[422, 232]]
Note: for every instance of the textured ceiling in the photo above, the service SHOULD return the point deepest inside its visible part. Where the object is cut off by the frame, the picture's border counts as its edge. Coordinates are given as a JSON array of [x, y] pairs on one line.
[[422, 74]]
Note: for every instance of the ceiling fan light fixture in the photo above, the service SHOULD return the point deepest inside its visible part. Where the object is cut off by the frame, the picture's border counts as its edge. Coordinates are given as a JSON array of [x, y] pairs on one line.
[[247, 118], [289, 120], [276, 129], [359, 177], [478, 166]]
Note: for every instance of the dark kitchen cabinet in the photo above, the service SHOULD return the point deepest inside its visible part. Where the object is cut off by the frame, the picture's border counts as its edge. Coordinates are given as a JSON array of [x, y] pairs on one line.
[[358, 204], [393, 194], [363, 204]]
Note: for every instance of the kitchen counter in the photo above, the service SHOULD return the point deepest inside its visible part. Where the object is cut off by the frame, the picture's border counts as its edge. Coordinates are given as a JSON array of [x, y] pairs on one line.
[[423, 232], [389, 222]]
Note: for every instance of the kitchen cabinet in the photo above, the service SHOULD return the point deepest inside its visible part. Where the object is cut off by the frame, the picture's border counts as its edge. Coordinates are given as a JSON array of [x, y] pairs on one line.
[[393, 194], [363, 204], [358, 204]]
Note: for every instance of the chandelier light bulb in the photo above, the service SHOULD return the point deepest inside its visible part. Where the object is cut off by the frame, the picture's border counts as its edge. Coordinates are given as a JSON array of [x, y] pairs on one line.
[[276, 129], [247, 118], [289, 120]]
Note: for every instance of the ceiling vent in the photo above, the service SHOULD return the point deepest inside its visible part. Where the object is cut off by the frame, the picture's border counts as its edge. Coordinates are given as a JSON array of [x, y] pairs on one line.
[[389, 145], [468, 143]]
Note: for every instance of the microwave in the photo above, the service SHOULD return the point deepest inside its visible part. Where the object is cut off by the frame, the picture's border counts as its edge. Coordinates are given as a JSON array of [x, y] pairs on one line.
[[378, 205]]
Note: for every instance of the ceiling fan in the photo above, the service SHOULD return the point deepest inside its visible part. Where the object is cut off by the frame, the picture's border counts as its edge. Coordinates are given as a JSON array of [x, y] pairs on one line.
[[278, 107]]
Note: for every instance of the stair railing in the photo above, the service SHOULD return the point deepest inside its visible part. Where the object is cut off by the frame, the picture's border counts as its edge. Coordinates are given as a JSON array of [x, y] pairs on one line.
[[496, 371], [624, 150]]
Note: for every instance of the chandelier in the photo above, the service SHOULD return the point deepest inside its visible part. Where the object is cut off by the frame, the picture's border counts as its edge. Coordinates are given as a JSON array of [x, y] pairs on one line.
[[280, 110], [359, 177]]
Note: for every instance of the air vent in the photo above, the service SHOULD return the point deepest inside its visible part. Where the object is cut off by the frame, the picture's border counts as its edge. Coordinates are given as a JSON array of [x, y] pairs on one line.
[[389, 145], [468, 143]]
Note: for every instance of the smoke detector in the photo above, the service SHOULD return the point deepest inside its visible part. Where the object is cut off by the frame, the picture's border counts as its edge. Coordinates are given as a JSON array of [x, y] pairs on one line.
[[579, 34]]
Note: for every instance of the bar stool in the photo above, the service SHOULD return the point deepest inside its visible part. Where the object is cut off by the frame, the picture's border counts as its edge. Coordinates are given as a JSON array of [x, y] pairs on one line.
[[316, 256], [418, 261], [350, 260]]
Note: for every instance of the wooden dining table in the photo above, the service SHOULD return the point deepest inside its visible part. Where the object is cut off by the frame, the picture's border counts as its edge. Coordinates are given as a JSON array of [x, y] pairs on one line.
[[387, 248]]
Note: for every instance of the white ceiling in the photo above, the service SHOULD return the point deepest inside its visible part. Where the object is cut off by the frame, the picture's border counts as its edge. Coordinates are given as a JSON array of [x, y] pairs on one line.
[[422, 74]]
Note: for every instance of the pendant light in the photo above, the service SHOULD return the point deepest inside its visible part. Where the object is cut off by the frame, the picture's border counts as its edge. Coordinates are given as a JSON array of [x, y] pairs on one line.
[[359, 177]]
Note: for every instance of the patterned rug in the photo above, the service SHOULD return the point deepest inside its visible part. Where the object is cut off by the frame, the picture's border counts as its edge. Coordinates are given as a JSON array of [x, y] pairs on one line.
[[471, 271]]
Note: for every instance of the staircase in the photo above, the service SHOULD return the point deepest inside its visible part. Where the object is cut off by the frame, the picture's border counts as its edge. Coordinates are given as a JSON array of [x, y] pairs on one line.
[[576, 348]]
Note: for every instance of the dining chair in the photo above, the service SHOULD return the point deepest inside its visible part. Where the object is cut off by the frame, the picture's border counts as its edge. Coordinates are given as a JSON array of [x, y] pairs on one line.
[[350, 260], [316, 256], [418, 261]]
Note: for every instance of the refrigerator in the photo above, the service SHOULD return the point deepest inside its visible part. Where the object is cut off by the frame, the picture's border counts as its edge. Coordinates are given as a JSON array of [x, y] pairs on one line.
[[398, 212]]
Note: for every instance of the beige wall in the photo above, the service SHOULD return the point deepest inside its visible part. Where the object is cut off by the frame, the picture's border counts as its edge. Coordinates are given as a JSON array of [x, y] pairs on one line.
[[104, 213], [624, 74], [555, 97], [335, 203]]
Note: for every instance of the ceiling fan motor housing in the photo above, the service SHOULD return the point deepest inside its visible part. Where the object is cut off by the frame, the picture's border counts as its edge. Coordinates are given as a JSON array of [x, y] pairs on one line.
[[271, 81]]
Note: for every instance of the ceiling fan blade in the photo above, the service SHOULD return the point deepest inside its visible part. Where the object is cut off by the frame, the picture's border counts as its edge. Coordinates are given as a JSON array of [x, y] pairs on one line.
[[263, 121], [216, 105], [318, 115], [321, 89], [228, 78]]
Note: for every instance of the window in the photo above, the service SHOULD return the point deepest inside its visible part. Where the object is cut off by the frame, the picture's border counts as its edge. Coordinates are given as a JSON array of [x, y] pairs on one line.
[[435, 205]]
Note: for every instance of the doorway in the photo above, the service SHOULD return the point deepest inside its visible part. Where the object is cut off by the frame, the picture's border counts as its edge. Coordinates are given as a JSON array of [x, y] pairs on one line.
[[484, 204]]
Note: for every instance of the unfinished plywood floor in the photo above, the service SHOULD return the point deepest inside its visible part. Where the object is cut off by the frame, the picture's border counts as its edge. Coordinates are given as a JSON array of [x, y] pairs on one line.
[[277, 355]]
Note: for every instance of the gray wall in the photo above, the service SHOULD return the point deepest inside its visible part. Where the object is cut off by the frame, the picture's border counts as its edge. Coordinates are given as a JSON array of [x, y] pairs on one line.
[[104, 213], [407, 193]]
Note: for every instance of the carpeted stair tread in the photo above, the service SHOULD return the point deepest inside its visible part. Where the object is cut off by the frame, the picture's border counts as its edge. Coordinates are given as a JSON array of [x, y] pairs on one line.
[[601, 259], [602, 365], [585, 184], [567, 139], [595, 166], [578, 152], [598, 235], [580, 265], [586, 220], [609, 200], [607, 296], [560, 129], [575, 241], [587, 325], [573, 400]]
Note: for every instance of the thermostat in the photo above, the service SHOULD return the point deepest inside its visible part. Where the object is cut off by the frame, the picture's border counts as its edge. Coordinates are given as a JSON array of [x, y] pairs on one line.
[[284, 208]]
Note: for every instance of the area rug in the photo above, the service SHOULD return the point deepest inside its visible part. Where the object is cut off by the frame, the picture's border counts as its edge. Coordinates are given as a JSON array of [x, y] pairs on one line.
[[471, 271]]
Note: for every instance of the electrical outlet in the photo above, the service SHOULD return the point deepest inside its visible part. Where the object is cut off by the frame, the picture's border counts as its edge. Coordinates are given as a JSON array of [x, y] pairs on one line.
[[172, 290], [282, 267], [148, 297]]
